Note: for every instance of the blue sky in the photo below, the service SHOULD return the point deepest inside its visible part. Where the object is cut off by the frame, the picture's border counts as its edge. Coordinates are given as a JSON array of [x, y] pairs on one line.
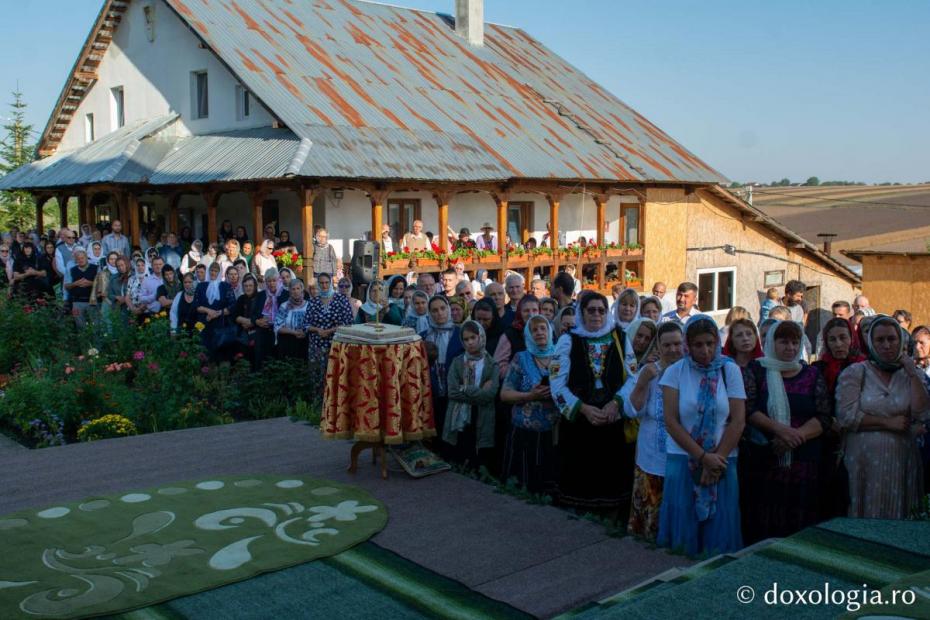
[[759, 89]]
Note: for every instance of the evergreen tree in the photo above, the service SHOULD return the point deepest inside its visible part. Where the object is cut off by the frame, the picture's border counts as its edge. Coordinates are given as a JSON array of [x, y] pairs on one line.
[[16, 208]]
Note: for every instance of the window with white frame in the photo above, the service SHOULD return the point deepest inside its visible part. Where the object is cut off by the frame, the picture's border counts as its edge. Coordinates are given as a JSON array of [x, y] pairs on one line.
[[243, 103], [89, 133], [716, 289], [200, 95], [117, 107]]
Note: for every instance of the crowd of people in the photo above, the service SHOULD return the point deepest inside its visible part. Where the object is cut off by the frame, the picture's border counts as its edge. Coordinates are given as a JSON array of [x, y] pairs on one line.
[[707, 438]]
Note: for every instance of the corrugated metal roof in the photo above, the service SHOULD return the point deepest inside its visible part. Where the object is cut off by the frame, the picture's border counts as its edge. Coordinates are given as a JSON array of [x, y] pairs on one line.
[[100, 161], [136, 155], [369, 72]]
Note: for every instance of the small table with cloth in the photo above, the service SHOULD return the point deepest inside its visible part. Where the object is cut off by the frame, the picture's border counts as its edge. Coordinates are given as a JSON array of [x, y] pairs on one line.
[[377, 389]]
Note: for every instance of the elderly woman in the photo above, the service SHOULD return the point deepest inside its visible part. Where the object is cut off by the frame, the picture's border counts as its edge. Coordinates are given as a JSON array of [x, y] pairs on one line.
[[597, 468], [880, 403], [789, 409], [29, 280], [468, 428], [134, 285], [345, 287], [459, 307], [377, 309], [324, 315], [531, 455], [643, 401], [705, 413], [443, 337], [289, 323], [254, 328], [183, 313], [264, 261]]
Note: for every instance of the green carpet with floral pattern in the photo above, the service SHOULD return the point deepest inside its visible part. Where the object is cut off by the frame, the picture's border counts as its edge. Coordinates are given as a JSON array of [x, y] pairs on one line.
[[111, 554]]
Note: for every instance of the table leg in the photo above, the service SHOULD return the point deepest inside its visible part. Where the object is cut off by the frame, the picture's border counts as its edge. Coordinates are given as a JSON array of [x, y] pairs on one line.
[[377, 450]]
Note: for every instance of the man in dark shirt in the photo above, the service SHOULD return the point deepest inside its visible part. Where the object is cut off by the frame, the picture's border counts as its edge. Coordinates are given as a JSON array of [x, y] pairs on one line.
[[82, 279]]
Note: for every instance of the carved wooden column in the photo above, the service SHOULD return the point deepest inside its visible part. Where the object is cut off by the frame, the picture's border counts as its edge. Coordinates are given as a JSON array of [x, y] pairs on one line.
[[601, 202], [173, 202], [442, 200], [135, 227], [307, 195], [213, 200], [554, 200], [257, 199], [63, 209], [40, 220]]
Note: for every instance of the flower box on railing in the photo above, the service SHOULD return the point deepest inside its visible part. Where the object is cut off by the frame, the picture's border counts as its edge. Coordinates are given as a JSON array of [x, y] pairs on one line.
[[518, 260], [427, 262], [634, 250], [613, 252]]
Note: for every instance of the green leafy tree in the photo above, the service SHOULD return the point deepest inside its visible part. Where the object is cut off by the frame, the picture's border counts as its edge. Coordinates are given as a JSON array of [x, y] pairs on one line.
[[812, 182], [16, 149]]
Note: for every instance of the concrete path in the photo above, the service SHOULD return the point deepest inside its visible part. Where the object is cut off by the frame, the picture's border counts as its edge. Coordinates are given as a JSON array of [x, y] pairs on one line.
[[535, 558]]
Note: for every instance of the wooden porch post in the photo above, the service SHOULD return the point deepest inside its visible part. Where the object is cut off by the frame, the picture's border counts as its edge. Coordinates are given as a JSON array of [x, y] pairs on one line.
[[377, 213], [258, 204], [502, 202], [173, 202], [135, 227], [442, 199], [40, 220], [308, 195], [62, 208], [554, 232], [213, 200], [601, 202]]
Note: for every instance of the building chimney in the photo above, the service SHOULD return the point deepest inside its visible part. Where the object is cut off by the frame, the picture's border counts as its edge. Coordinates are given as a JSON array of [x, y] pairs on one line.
[[827, 242], [469, 21]]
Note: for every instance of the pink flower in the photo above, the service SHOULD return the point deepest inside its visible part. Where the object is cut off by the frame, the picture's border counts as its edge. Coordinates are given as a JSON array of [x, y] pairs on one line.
[[202, 357], [138, 355], [68, 370], [205, 370], [153, 366], [80, 358], [183, 355]]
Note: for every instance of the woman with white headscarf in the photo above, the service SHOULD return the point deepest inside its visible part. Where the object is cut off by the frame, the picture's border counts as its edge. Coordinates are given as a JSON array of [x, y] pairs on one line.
[[96, 255], [597, 466], [789, 409], [531, 455], [882, 404], [215, 302], [264, 261], [626, 308], [378, 309], [468, 428], [193, 257]]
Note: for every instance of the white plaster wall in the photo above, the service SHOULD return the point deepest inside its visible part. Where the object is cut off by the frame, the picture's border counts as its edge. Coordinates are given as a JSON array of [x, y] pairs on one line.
[[155, 77]]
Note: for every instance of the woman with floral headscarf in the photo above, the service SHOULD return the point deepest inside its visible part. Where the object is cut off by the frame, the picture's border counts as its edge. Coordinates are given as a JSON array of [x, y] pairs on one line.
[[705, 413], [96, 256], [881, 403], [643, 400], [183, 313], [459, 306], [531, 455], [596, 466], [444, 343], [779, 466], [468, 429]]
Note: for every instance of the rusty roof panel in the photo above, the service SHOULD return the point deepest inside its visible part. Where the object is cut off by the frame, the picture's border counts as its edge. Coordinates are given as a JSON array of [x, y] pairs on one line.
[[364, 72]]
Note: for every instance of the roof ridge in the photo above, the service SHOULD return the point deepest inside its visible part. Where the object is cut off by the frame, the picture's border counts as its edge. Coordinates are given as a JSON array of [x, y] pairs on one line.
[[563, 110]]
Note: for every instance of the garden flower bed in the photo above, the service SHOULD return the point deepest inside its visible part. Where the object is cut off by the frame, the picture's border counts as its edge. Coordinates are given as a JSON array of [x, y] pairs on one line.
[[115, 379]]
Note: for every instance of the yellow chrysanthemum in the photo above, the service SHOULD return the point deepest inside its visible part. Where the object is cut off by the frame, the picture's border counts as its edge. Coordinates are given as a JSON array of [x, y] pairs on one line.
[[199, 326]]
